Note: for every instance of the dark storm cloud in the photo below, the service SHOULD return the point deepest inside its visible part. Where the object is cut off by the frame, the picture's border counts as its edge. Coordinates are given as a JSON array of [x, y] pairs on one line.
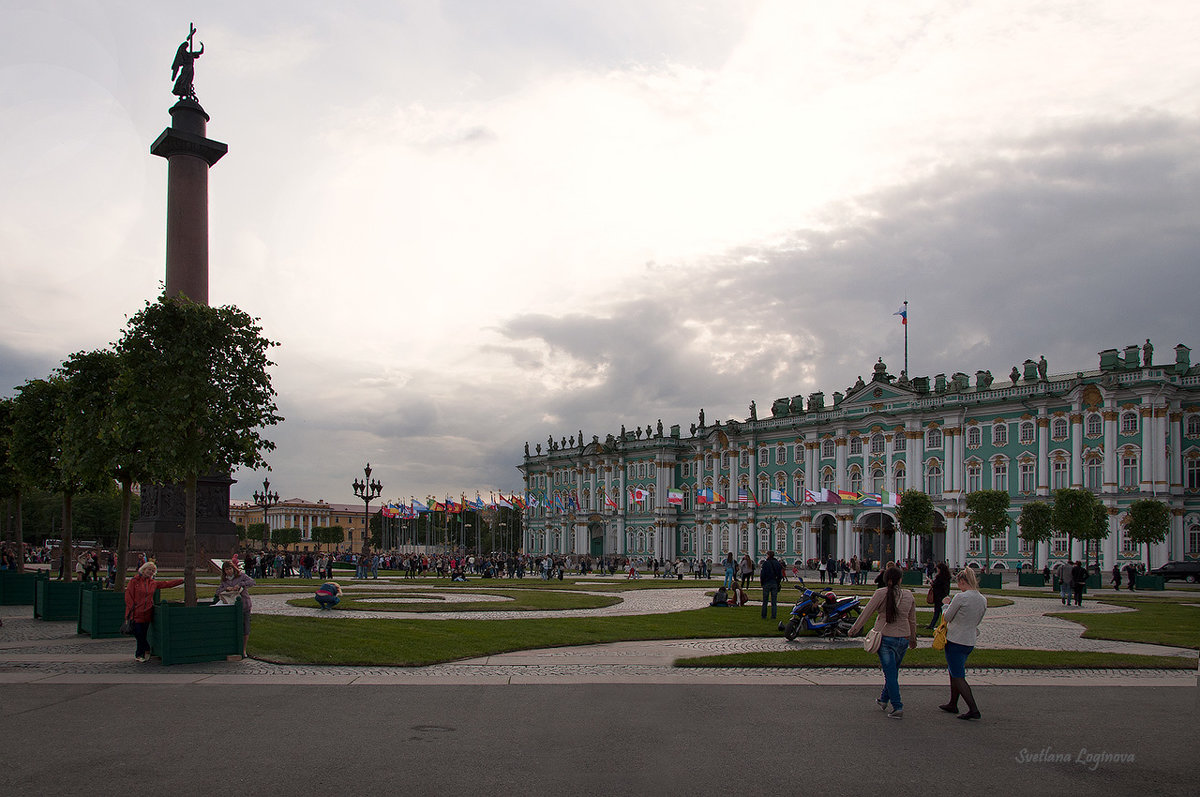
[[1062, 244]]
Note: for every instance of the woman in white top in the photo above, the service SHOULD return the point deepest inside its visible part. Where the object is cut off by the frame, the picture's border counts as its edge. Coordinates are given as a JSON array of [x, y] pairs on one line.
[[962, 618]]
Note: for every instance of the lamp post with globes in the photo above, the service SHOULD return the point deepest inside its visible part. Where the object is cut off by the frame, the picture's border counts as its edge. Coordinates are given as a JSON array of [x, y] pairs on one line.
[[265, 500], [368, 491]]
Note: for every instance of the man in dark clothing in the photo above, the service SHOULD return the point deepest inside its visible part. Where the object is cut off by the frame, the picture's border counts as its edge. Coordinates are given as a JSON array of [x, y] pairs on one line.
[[1079, 578], [770, 575]]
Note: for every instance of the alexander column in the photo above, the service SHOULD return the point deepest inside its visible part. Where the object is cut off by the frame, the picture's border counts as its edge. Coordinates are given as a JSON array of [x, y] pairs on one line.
[[189, 153]]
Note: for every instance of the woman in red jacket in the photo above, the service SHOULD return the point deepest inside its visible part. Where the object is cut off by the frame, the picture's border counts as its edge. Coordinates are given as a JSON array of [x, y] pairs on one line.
[[139, 605]]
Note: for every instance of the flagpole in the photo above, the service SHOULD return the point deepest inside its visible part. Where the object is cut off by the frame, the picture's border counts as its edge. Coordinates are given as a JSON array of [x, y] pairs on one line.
[[906, 337]]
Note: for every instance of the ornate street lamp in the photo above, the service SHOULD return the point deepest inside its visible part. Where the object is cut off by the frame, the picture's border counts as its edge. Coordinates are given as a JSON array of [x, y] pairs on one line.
[[265, 500], [368, 491]]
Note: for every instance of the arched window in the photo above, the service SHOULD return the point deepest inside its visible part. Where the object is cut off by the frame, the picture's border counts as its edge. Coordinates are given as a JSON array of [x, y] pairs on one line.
[[1191, 474], [781, 454], [877, 443], [1129, 423], [1194, 539], [856, 480], [828, 449], [1028, 477], [899, 442], [999, 434], [764, 539], [1058, 474], [764, 455], [1193, 426], [1095, 425], [855, 446], [764, 489], [1027, 433], [1129, 471], [974, 477], [901, 478], [877, 480], [798, 486], [973, 437], [1094, 473], [744, 459], [1000, 474], [1058, 429], [827, 478], [933, 478], [933, 438], [780, 538]]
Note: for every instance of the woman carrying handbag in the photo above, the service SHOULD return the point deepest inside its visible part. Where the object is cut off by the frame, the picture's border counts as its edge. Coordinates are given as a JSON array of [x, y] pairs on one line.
[[897, 626], [962, 619]]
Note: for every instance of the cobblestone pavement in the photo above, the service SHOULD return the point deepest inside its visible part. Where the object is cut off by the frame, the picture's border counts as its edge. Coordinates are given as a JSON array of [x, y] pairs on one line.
[[34, 651]]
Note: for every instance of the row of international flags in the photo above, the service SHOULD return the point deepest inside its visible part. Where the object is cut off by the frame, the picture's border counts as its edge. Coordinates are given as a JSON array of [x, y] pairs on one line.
[[570, 502]]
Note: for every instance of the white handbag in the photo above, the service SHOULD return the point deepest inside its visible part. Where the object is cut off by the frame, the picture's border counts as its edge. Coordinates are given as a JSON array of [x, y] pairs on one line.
[[872, 641]]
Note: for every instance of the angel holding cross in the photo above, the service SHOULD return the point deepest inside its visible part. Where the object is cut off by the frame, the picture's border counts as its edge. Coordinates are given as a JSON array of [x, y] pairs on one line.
[[183, 70]]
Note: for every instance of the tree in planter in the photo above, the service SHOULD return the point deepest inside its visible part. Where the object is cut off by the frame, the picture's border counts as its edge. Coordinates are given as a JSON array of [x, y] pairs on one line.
[[257, 531], [915, 514], [1074, 514], [194, 386], [987, 516], [1035, 525], [1149, 522], [1098, 530], [10, 481], [37, 450], [93, 447]]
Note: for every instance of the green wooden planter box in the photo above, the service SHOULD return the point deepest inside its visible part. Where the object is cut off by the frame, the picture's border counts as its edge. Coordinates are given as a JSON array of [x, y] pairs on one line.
[[101, 613], [1030, 580], [58, 600], [1151, 582], [913, 578], [187, 634], [990, 581], [17, 589]]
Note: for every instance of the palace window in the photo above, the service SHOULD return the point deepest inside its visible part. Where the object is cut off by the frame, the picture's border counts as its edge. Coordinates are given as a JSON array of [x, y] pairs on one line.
[[1058, 429], [685, 470], [1058, 474], [1000, 546], [933, 478], [1128, 545], [764, 457], [781, 454], [1194, 540], [764, 490], [1095, 425], [855, 480], [744, 538], [974, 436], [1025, 546], [1000, 475], [708, 462], [999, 434], [798, 453], [1129, 423], [933, 438], [764, 538], [827, 448], [1129, 472], [1027, 433], [901, 478], [798, 486], [856, 446], [827, 478], [1058, 544], [1192, 477], [780, 539], [899, 442], [744, 459], [1193, 426], [797, 537], [974, 477], [641, 470], [1028, 476], [974, 545], [1094, 472], [877, 480], [877, 444]]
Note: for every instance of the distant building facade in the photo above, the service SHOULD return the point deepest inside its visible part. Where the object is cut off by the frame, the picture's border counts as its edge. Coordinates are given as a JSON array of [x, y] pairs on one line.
[[1127, 430], [304, 515]]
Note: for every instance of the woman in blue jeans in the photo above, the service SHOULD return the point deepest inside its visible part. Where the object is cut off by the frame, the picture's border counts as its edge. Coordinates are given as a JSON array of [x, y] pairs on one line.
[[897, 622]]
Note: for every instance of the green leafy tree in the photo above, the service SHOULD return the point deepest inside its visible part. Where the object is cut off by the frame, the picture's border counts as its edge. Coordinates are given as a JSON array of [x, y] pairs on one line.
[[1035, 525], [1098, 530], [285, 537], [10, 481], [915, 514], [987, 516], [257, 531], [1074, 514], [90, 446], [1149, 523], [37, 449], [195, 389]]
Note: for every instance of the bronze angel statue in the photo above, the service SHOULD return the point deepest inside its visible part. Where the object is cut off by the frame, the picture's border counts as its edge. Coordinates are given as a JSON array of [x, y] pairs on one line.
[[183, 69]]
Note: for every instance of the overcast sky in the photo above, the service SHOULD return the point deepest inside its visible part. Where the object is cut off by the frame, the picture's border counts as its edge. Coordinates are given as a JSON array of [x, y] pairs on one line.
[[474, 223]]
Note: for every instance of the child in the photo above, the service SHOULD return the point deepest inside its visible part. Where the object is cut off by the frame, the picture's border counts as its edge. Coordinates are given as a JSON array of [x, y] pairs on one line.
[[329, 595]]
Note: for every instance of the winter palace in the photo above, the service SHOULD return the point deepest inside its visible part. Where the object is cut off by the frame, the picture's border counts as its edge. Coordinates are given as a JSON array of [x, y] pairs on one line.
[[1128, 429]]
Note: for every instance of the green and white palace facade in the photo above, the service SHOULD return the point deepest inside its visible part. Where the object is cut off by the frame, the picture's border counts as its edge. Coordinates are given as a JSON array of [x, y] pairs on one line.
[[1126, 430]]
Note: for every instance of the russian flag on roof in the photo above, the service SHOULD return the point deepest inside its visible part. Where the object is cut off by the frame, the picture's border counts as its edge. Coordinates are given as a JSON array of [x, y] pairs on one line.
[[903, 313]]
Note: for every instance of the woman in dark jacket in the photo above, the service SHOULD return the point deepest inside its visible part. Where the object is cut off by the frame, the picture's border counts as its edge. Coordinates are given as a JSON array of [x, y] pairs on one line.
[[940, 589]]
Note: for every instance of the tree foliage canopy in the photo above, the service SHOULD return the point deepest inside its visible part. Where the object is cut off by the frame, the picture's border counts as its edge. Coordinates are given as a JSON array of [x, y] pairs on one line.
[[1149, 523], [1035, 524]]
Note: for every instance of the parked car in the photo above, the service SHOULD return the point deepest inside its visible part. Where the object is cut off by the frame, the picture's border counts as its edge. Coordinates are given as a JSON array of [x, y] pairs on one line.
[[1188, 571]]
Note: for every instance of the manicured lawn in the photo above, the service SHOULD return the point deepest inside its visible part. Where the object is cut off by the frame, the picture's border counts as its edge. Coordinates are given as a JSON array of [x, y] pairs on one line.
[[521, 600], [326, 640], [1156, 621], [927, 657]]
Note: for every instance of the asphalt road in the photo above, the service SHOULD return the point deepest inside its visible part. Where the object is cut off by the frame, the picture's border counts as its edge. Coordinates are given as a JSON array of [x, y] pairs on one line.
[[601, 739]]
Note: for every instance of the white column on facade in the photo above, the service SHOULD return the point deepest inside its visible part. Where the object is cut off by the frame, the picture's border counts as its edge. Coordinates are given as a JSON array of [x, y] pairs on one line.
[[1043, 457], [1108, 546], [1076, 419], [1043, 552], [1175, 470], [950, 474], [1111, 474], [1176, 540], [1149, 455], [839, 474], [1162, 470], [915, 454]]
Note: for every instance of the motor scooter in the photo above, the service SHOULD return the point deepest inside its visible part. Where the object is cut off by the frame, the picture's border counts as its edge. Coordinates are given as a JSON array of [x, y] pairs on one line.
[[821, 613]]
